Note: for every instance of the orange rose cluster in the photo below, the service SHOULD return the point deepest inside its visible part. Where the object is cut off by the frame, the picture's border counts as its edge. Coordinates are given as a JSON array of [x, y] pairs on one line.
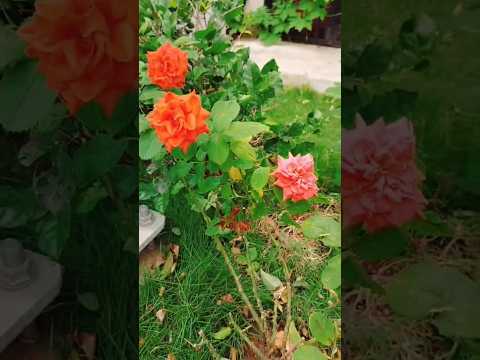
[[178, 120], [85, 49], [167, 67]]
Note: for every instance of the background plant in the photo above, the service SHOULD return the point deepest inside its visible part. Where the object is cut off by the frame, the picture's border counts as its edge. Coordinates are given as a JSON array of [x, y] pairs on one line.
[[285, 15]]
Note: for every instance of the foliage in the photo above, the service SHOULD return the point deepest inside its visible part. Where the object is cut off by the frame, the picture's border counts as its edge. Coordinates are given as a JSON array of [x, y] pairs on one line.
[[271, 24]]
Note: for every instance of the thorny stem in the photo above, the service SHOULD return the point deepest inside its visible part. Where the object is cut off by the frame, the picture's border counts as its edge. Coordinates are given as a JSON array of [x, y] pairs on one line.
[[245, 299], [245, 338], [210, 347]]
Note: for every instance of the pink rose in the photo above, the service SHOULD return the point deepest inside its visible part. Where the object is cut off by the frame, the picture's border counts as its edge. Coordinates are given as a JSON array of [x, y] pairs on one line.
[[380, 178], [296, 177]]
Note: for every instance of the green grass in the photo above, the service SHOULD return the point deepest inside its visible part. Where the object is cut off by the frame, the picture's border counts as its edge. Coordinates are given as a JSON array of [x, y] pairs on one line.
[[190, 299], [200, 279]]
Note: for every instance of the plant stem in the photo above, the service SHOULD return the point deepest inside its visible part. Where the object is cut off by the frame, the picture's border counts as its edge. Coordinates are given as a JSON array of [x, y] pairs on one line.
[[245, 338], [274, 322], [289, 287], [210, 347], [255, 291], [245, 299]]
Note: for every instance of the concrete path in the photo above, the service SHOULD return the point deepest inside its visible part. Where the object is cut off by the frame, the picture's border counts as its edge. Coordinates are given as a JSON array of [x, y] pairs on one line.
[[300, 64]]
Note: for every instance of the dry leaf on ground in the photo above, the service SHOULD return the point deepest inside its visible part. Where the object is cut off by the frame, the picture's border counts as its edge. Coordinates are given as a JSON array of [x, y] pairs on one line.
[[160, 315], [226, 299]]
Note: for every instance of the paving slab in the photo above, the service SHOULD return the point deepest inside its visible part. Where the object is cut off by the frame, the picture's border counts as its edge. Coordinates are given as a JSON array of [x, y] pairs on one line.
[[299, 64]]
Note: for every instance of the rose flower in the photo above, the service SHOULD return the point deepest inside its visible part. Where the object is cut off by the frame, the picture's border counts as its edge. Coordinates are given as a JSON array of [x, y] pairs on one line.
[[380, 178], [86, 49], [178, 120], [296, 176], [167, 67]]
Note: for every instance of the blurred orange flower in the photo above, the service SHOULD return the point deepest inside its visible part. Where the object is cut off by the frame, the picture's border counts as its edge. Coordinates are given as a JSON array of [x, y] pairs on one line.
[[86, 49], [167, 67], [178, 120]]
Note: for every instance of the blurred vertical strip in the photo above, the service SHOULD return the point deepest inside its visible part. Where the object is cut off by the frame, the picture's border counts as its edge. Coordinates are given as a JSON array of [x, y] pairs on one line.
[[410, 180], [69, 169]]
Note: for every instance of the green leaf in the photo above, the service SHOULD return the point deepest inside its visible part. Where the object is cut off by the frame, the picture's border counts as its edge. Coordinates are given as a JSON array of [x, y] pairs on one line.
[[427, 289], [270, 38], [89, 301], [223, 113], [92, 116], [32, 151], [308, 352], [260, 178], [294, 338], [151, 94], [244, 151], [17, 206], [143, 124], [331, 274], [271, 282], [245, 130], [13, 49], [270, 66], [97, 157], [149, 146], [223, 333], [383, 245], [207, 34], [179, 170], [322, 328], [124, 114], [125, 180], [354, 275], [218, 149], [25, 99], [298, 208], [324, 228], [217, 48], [89, 199], [53, 233]]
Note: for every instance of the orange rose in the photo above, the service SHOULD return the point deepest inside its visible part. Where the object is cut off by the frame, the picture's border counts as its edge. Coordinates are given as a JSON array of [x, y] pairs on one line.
[[167, 67], [178, 120], [86, 49]]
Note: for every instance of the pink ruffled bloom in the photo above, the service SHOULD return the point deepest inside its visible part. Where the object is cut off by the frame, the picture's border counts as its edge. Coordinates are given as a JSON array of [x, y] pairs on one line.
[[296, 176], [380, 178]]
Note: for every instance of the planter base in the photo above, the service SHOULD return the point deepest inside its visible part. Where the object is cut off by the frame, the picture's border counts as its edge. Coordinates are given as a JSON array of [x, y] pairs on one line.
[[20, 307], [146, 233]]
